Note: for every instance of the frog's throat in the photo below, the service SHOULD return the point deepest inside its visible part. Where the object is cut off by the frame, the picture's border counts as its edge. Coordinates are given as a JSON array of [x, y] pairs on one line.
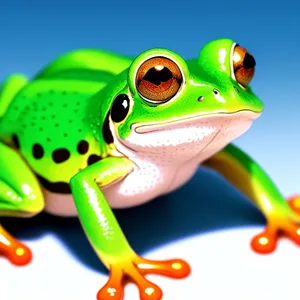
[[180, 122]]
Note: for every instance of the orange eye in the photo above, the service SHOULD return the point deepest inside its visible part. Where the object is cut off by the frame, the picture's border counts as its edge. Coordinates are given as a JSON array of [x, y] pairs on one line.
[[158, 79], [243, 65]]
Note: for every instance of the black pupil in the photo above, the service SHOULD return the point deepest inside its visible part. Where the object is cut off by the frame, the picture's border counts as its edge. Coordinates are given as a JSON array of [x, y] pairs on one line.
[[157, 75], [249, 61], [120, 108]]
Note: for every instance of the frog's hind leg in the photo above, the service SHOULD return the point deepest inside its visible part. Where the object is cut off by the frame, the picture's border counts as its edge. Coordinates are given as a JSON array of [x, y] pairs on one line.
[[282, 217], [89, 64], [8, 90], [20, 196]]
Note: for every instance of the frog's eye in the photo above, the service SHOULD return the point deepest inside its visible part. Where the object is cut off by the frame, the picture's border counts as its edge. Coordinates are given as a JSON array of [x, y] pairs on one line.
[[243, 64], [158, 79]]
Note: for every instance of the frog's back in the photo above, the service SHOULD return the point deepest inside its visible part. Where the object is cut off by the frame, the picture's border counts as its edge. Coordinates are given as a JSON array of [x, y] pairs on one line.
[[46, 119]]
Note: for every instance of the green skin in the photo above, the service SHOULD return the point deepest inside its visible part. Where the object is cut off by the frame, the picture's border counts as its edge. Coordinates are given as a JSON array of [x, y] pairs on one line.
[[69, 102]]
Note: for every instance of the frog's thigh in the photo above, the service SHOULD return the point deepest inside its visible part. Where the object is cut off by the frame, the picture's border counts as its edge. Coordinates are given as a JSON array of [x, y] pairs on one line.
[[20, 192], [247, 176]]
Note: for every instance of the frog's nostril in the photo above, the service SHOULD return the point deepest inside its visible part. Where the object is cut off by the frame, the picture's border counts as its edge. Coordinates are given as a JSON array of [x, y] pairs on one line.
[[216, 92], [200, 99]]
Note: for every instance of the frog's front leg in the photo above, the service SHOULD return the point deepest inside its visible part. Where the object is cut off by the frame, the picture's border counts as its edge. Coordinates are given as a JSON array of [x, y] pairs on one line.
[[20, 195], [250, 179], [106, 236]]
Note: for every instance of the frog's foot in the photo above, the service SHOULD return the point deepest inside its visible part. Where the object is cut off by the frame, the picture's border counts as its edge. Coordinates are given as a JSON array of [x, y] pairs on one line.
[[294, 203], [266, 241], [135, 269], [14, 250]]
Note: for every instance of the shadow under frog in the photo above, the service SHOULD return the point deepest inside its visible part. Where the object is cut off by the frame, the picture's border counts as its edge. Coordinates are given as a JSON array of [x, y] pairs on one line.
[[206, 203]]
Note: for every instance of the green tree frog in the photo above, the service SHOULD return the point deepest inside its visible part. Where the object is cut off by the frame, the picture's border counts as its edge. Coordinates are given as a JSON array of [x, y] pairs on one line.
[[95, 131]]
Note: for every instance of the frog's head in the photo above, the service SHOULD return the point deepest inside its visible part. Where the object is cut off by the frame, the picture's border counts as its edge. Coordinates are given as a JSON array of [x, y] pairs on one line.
[[167, 104]]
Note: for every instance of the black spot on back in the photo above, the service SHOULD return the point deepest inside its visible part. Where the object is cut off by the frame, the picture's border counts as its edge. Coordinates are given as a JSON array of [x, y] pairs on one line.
[[107, 135], [16, 141], [55, 187], [37, 151], [83, 147], [60, 155], [93, 158]]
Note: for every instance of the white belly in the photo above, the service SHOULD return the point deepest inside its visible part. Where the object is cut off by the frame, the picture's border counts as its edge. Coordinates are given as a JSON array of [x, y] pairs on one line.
[[145, 183]]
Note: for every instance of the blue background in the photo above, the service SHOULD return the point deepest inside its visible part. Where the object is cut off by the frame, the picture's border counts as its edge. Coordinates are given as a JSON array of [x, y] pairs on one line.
[[32, 33]]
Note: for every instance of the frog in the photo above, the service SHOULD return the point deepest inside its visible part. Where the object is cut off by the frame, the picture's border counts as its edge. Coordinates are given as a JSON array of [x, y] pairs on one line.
[[95, 131]]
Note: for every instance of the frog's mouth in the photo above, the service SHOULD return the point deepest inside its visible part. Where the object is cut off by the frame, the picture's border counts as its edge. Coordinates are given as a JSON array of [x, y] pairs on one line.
[[246, 115], [182, 138]]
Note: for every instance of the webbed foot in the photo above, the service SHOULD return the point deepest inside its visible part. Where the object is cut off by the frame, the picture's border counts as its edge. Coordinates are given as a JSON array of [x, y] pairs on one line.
[[266, 241], [135, 269]]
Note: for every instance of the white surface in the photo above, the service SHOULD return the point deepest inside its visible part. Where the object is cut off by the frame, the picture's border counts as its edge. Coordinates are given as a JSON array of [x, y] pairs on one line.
[[223, 268]]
